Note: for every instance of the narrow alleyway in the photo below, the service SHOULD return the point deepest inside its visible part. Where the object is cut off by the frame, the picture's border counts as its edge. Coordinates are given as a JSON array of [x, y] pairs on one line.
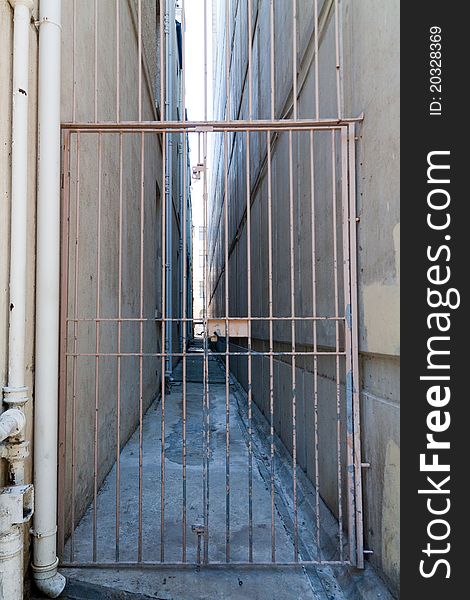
[[193, 583]]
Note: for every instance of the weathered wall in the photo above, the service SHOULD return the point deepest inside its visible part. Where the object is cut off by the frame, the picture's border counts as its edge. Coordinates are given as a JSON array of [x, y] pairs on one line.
[[370, 83], [78, 104], [105, 382]]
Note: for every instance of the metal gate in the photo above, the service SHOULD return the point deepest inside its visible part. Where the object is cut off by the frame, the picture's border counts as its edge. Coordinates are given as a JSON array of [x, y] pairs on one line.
[[173, 444]]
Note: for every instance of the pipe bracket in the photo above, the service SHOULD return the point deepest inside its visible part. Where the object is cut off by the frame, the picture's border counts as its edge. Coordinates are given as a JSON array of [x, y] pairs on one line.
[[16, 506]]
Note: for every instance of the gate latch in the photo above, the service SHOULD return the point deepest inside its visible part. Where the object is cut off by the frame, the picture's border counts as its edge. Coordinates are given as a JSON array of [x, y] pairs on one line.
[[197, 170], [199, 530]]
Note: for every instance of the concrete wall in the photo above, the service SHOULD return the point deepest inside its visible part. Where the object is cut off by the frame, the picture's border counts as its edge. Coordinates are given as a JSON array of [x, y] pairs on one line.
[[370, 84], [78, 104], [107, 381]]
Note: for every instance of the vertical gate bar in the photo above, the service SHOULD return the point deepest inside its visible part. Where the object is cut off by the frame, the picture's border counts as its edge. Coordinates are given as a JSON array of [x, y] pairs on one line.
[[75, 347], [118, 407], [226, 274], [74, 47], [315, 348], [118, 64], [64, 270], [293, 346], [185, 286], [206, 414], [250, 396], [294, 59], [162, 64], [338, 389], [317, 60], [205, 62], [271, 60], [347, 337], [250, 63], [227, 58], [271, 358], [141, 337], [162, 404], [355, 350], [139, 53], [95, 31], [270, 279], [97, 347], [338, 61], [227, 360]]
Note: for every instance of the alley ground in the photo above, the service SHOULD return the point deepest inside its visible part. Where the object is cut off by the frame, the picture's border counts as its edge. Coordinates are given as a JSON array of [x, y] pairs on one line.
[[216, 581]]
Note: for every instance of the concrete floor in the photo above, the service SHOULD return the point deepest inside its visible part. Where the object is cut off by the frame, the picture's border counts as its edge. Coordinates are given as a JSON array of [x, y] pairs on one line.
[[190, 582]]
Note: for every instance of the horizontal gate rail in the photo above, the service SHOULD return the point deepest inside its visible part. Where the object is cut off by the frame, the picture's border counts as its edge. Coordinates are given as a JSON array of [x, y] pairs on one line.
[[211, 126]]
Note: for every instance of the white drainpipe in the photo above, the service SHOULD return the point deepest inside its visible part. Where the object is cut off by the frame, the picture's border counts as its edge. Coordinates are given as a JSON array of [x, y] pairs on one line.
[[45, 561], [16, 500], [169, 26]]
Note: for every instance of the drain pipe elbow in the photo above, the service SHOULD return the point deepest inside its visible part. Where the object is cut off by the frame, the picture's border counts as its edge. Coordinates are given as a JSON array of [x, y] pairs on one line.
[[12, 422], [48, 580]]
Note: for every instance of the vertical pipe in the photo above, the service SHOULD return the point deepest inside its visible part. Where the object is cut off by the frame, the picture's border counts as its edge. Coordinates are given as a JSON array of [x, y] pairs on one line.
[[16, 393], [47, 301], [19, 203]]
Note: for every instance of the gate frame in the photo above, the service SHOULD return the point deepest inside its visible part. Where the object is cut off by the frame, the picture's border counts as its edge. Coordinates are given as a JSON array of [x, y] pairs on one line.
[[354, 465]]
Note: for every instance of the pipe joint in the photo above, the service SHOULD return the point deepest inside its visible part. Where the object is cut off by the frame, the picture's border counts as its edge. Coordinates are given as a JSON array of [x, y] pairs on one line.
[[15, 397], [48, 580], [29, 4], [12, 423]]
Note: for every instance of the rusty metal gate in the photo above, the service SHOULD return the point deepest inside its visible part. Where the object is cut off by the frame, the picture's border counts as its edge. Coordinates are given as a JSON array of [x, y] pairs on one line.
[[148, 471]]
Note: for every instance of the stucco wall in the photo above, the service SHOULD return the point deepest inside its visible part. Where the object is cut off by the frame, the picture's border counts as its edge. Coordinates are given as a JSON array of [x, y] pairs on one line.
[[137, 376], [370, 83], [82, 69]]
